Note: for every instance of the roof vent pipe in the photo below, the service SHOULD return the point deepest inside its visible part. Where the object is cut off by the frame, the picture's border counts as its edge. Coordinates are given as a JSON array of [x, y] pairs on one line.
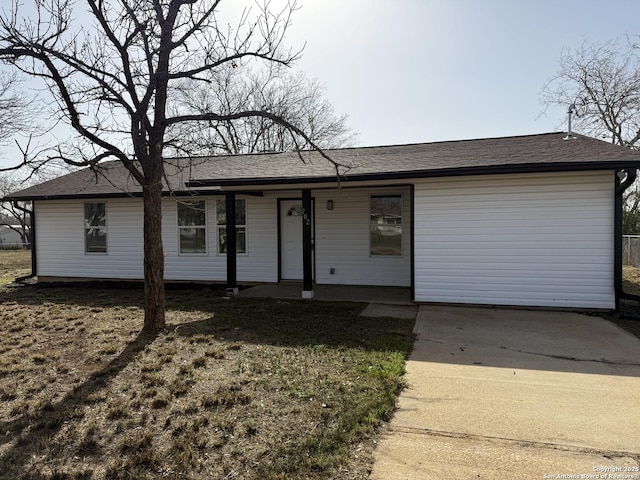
[[570, 112]]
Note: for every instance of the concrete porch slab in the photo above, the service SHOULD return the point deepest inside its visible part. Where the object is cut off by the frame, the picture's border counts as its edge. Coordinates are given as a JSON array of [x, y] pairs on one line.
[[331, 293], [393, 311]]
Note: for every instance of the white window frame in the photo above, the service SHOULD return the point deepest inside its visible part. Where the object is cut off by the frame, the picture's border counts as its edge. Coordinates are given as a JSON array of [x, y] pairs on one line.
[[402, 229], [192, 227], [238, 225], [99, 227]]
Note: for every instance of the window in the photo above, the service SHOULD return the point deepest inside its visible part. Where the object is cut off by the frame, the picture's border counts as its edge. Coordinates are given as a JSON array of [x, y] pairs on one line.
[[241, 225], [192, 226], [95, 227], [386, 225]]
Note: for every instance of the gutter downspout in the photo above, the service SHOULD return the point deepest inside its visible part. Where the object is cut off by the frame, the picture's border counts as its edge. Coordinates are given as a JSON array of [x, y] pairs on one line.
[[621, 186], [32, 241]]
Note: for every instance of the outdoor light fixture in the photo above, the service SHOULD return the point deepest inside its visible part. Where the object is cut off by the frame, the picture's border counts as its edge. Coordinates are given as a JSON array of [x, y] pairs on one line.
[[329, 204]]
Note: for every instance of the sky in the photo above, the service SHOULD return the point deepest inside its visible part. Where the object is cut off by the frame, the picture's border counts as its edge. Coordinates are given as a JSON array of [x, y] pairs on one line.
[[411, 71]]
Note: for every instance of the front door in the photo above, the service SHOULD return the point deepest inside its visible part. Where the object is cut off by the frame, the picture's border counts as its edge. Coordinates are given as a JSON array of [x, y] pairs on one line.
[[291, 215]]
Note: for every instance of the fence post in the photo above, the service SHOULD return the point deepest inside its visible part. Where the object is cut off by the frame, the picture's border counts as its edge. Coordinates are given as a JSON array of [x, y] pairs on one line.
[[631, 250], [625, 250]]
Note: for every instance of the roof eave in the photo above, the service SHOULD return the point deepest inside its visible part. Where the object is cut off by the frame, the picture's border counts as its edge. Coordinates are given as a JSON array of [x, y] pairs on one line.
[[87, 196], [443, 172]]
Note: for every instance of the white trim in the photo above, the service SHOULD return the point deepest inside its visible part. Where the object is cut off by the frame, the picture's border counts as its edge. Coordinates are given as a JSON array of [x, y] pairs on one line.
[[402, 229], [245, 226], [197, 227], [105, 228]]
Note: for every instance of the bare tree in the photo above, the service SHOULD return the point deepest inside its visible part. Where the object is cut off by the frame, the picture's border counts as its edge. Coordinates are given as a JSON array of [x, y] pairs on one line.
[[631, 210], [15, 118], [14, 215], [603, 82], [294, 97], [112, 74], [14, 107]]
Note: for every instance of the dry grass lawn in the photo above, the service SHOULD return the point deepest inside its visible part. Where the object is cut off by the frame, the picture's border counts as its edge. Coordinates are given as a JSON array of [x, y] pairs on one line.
[[631, 279], [13, 264], [629, 315], [233, 389]]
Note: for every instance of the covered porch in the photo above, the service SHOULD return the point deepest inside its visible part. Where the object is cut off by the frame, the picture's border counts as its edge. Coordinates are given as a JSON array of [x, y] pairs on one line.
[[328, 243]]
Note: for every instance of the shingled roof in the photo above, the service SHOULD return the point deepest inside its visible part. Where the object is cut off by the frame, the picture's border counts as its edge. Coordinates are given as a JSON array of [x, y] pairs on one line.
[[532, 153]]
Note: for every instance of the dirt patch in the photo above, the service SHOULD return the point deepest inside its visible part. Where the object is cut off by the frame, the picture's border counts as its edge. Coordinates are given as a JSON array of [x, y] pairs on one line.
[[628, 317]]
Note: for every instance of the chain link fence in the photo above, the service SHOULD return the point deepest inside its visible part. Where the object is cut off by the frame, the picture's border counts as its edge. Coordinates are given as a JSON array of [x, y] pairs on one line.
[[631, 250]]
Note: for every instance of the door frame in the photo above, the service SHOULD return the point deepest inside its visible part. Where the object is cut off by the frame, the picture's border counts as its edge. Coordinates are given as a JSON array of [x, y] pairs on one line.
[[313, 236]]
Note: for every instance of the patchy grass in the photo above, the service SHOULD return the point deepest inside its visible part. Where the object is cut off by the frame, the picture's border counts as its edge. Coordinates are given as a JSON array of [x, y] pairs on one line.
[[14, 263], [234, 388], [629, 315], [631, 279]]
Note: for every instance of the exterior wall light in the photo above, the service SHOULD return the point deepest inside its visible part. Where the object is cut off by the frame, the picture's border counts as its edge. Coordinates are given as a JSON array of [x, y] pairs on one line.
[[329, 204]]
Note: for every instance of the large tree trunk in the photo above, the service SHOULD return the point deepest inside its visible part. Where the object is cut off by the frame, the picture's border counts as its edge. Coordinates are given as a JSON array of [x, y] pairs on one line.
[[154, 297]]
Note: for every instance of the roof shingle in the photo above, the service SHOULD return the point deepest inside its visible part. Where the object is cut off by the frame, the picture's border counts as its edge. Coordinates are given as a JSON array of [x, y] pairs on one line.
[[544, 152]]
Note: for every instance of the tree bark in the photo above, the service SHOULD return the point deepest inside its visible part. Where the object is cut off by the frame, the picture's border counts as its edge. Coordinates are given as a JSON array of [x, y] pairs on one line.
[[154, 295]]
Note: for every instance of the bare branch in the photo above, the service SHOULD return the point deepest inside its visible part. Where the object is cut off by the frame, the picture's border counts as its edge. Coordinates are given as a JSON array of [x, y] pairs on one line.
[[116, 81], [15, 109], [603, 81], [292, 97]]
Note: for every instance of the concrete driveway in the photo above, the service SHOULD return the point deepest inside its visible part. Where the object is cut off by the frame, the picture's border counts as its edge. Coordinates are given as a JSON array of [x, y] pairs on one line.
[[497, 394]]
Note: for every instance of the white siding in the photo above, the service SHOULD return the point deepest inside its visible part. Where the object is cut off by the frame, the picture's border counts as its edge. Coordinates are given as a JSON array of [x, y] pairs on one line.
[[60, 242], [260, 264], [196, 267], [342, 240], [543, 239], [535, 240]]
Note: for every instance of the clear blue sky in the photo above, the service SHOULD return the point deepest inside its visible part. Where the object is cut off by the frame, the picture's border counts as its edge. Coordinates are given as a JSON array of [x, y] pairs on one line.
[[409, 71], [427, 70]]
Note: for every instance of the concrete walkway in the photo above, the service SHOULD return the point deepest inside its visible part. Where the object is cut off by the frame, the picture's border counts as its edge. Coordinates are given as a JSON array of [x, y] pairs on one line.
[[500, 394]]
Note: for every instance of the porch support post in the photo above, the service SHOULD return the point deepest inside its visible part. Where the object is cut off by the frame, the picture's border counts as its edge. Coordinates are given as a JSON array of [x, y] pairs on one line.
[[412, 207], [230, 200], [307, 248]]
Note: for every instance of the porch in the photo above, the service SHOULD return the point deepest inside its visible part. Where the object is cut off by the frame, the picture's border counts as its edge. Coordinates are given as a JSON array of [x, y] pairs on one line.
[[332, 293]]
